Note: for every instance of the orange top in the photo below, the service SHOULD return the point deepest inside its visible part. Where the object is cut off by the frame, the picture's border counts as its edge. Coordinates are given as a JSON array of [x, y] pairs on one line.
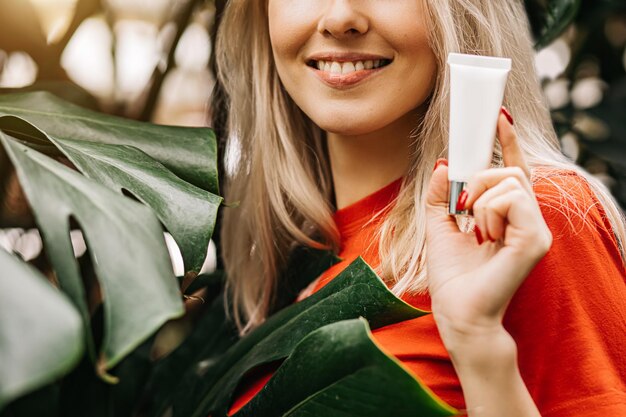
[[568, 318]]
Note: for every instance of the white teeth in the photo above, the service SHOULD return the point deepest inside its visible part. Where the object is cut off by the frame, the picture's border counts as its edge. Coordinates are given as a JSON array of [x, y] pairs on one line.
[[347, 68], [335, 67]]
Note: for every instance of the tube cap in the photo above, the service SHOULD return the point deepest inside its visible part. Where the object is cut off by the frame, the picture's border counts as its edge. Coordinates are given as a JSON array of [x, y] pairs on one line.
[[456, 187]]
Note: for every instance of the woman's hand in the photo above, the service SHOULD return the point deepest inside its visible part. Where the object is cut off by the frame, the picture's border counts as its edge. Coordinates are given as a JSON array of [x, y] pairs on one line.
[[472, 276]]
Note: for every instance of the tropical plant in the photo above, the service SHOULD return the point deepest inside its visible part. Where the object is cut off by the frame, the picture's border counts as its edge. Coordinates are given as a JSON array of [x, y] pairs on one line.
[[598, 58], [77, 337], [171, 170]]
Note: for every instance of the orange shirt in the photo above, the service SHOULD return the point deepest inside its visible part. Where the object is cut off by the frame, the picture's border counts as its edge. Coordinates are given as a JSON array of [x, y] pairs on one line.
[[568, 318]]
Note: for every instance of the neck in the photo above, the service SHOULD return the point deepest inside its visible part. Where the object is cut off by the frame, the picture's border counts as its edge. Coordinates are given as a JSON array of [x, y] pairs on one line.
[[362, 164]]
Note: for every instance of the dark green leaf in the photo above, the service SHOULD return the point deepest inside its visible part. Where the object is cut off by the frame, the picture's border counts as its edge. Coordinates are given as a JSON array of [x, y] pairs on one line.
[[41, 335], [65, 90], [181, 370], [212, 282], [338, 371], [356, 292], [43, 402], [125, 241], [84, 394], [188, 212], [305, 265], [215, 333], [190, 153], [550, 18]]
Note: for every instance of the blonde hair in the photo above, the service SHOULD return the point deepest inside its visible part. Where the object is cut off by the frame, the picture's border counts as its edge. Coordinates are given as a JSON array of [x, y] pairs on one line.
[[282, 179]]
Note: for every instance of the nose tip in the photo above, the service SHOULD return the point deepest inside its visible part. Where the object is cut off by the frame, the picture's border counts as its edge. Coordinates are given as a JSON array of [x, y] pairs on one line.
[[342, 20]]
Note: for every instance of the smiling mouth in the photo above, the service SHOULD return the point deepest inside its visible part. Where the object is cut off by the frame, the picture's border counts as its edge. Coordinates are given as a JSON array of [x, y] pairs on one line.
[[348, 67]]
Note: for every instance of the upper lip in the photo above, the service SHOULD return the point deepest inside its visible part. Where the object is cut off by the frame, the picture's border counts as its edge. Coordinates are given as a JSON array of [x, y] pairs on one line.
[[345, 57]]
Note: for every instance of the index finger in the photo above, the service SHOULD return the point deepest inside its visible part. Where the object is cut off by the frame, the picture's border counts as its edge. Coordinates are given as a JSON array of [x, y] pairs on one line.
[[511, 150]]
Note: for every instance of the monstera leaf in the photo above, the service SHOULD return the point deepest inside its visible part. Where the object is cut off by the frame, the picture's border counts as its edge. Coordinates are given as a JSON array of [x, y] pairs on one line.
[[41, 334], [126, 244], [549, 18], [214, 333], [126, 156], [190, 153], [356, 292], [186, 211], [212, 336], [338, 371]]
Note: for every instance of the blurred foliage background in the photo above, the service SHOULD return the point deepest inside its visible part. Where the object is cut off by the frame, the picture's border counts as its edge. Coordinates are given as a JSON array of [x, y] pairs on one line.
[[151, 60], [584, 79]]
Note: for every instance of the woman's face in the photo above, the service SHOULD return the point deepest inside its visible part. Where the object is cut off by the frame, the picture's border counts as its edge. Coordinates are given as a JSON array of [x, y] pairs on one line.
[[353, 66]]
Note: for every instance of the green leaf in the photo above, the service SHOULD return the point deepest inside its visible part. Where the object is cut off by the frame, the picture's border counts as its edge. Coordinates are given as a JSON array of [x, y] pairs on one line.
[[190, 153], [338, 371], [305, 265], [356, 292], [212, 335], [215, 333], [65, 90], [549, 19], [41, 335], [211, 282], [126, 244], [84, 394], [43, 402], [186, 211]]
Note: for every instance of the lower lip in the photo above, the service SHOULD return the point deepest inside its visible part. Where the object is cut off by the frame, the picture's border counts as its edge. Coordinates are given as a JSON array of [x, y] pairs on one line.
[[341, 81]]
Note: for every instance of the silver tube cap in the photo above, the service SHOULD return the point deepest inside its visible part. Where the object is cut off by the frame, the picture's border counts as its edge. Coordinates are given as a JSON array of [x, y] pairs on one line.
[[456, 188]]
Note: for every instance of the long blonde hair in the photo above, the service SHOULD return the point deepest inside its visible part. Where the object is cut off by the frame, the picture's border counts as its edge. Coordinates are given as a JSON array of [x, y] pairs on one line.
[[281, 175]]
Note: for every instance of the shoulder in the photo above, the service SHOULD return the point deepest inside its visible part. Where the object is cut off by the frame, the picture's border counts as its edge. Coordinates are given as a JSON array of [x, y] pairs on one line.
[[583, 234], [562, 190], [570, 308], [569, 204]]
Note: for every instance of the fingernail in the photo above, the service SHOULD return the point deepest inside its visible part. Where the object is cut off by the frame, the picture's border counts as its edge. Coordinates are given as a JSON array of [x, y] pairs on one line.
[[506, 114], [460, 204], [479, 235], [440, 161]]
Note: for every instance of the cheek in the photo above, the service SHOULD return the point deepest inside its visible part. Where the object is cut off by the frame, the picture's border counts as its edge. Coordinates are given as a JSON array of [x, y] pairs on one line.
[[422, 59], [405, 28], [408, 30], [418, 59], [290, 24]]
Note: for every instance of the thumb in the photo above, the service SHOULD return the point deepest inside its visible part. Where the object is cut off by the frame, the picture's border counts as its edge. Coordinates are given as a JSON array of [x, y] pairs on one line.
[[437, 194], [439, 222]]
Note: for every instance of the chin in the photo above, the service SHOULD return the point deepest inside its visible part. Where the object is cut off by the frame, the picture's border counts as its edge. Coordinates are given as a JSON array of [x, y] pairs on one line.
[[345, 124], [346, 129]]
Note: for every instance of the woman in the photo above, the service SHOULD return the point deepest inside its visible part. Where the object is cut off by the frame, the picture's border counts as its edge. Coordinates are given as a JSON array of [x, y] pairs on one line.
[[337, 113]]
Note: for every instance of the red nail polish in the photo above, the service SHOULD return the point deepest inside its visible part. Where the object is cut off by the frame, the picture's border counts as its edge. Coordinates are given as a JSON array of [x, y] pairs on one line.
[[440, 161], [479, 235], [506, 114], [460, 204]]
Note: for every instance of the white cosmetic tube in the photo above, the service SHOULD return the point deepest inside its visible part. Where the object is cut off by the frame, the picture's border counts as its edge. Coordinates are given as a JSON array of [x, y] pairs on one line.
[[476, 91]]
